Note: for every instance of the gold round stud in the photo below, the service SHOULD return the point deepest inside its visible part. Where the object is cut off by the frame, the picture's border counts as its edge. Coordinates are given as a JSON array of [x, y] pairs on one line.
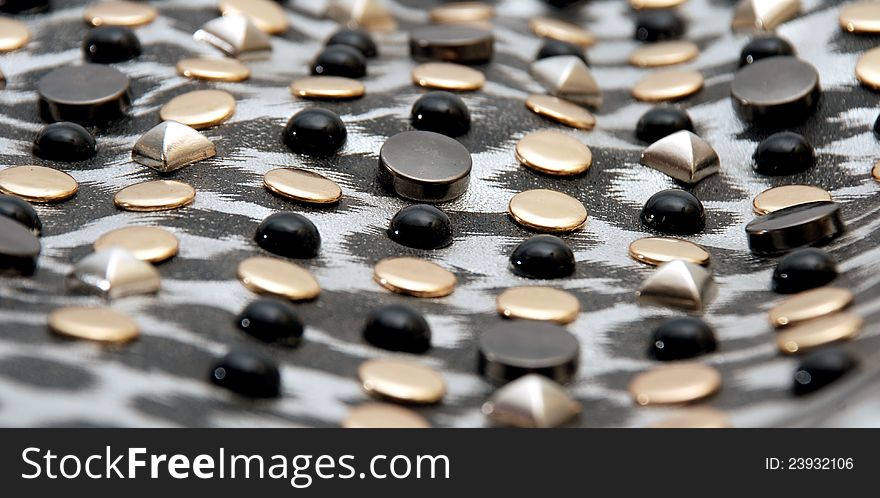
[[658, 250], [13, 34], [156, 195], [547, 211], [37, 183], [402, 380], [414, 277], [383, 416], [860, 17], [875, 171], [808, 305], [776, 198], [664, 53], [278, 277], [213, 69], [266, 15], [675, 383], [868, 69], [116, 13], [698, 417], [655, 4], [302, 186], [152, 244], [670, 84], [199, 109], [538, 303], [561, 111], [93, 324], [546, 27], [819, 332], [554, 153], [327, 87], [448, 76], [461, 12]]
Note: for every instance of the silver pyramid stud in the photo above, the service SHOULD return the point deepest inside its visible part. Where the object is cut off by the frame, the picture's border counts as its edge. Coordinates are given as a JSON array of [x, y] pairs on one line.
[[113, 273], [369, 14], [683, 156], [763, 15], [170, 146], [531, 401], [568, 77], [235, 36], [678, 284]]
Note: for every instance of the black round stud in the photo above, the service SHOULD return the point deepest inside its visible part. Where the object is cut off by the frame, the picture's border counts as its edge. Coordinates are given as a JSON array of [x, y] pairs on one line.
[[107, 44], [315, 131], [804, 269], [21, 211], [88, 94], [512, 349], [441, 112], [65, 141], [355, 38], [820, 368], [776, 91], [783, 153], [763, 47], [272, 320], [544, 257], [659, 25], [424, 166], [289, 234], [552, 48], [662, 121], [560, 4], [810, 224], [682, 338], [24, 6], [340, 60], [248, 374], [452, 43], [19, 247], [397, 327], [674, 211], [877, 127], [421, 226]]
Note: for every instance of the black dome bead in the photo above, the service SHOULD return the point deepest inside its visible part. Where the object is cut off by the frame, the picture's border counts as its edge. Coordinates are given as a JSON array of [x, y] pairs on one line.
[[542, 256], [804, 269], [247, 373], [659, 25], [682, 338], [340, 60], [108, 44], [289, 234], [24, 6], [877, 127], [783, 153], [441, 112], [662, 121], [272, 320], [552, 48], [397, 327], [421, 226], [315, 131], [820, 368], [763, 47], [65, 141], [21, 211], [355, 38], [674, 211]]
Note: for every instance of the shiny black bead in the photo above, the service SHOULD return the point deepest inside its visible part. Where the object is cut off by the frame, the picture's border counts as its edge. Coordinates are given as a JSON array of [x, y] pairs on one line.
[[763, 47], [289, 234], [561, 3], [107, 44], [877, 127], [659, 25], [820, 368], [340, 60], [441, 112], [682, 338], [315, 131], [272, 320], [804, 269], [355, 38], [662, 121], [421, 226], [783, 153], [21, 211], [674, 211], [397, 327], [65, 141], [542, 256], [248, 374], [552, 48], [24, 6]]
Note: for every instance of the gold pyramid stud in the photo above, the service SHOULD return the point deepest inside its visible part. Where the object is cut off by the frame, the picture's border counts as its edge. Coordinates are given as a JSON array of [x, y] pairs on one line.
[[170, 146], [568, 77], [236, 36], [763, 15], [372, 15], [113, 273], [531, 401], [678, 284], [683, 156]]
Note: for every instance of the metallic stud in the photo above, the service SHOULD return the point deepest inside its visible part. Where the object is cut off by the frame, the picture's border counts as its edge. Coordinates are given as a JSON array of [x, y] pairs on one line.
[[448, 76], [819, 332], [679, 284], [156, 195], [120, 13], [675, 384], [554, 153], [538, 303], [802, 225], [666, 85], [875, 171], [372, 15], [150, 244], [508, 351], [683, 156], [658, 250], [266, 14], [461, 13], [555, 29], [808, 305], [13, 34], [170, 146], [327, 87], [235, 36], [213, 69], [776, 198], [19, 247], [2, 80], [278, 277], [464, 44], [547, 211], [424, 166], [699, 417], [414, 277], [763, 15], [93, 324], [860, 17], [532, 401], [383, 416], [87, 94], [113, 273], [568, 77], [199, 109], [664, 53], [302, 186], [37, 183], [795, 95], [402, 380], [655, 4], [868, 69], [561, 111]]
